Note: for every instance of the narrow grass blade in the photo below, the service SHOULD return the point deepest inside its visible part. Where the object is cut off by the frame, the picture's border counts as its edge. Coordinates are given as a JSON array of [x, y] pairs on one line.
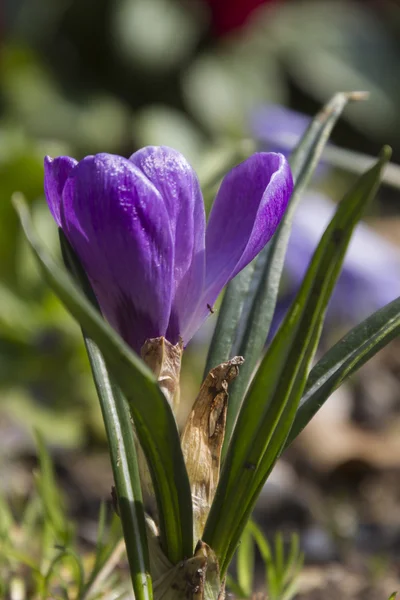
[[259, 305], [245, 563], [234, 587], [267, 558], [77, 567], [155, 423], [357, 162], [343, 359], [100, 552], [6, 519], [50, 494], [108, 565], [270, 405]]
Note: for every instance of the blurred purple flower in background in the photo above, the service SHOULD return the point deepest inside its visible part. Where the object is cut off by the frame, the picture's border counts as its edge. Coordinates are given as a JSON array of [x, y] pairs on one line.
[[278, 127], [370, 276], [138, 227], [371, 272]]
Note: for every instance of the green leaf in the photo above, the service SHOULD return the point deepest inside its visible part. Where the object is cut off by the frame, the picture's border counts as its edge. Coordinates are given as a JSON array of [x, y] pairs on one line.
[[245, 563], [234, 587], [281, 571], [50, 494], [126, 473], [77, 566], [99, 550], [220, 350], [357, 162], [343, 359], [272, 575], [102, 574], [154, 421], [255, 305], [121, 445], [270, 406], [6, 519]]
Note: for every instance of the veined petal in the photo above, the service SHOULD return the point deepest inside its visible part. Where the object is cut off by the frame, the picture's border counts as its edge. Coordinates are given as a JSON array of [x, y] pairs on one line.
[[118, 224], [56, 172], [247, 210], [179, 188]]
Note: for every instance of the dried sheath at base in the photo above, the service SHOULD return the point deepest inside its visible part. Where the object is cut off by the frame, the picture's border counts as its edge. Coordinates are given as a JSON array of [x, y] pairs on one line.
[[203, 436]]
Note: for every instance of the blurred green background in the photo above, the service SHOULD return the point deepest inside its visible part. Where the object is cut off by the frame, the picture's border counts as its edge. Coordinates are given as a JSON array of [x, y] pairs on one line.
[[84, 76]]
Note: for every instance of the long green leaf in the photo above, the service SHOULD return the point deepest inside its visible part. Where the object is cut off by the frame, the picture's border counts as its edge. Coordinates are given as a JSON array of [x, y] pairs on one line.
[[121, 444], [50, 494], [154, 421], [245, 563], [228, 319], [77, 566], [258, 308], [357, 162], [269, 408], [336, 240], [343, 359]]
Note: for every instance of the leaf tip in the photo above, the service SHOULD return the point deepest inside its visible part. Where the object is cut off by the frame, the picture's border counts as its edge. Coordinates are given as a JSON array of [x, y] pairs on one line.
[[357, 96], [385, 154], [19, 202]]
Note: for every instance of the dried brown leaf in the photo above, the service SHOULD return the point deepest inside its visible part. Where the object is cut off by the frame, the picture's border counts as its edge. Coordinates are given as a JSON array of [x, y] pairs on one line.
[[203, 436]]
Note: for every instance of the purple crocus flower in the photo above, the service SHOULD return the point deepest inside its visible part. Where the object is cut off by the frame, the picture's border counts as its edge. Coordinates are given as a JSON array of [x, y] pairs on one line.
[[278, 127], [370, 276], [138, 227]]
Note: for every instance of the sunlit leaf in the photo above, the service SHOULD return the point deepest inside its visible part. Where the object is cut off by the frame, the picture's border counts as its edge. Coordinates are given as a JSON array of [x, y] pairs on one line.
[[154, 421], [270, 405]]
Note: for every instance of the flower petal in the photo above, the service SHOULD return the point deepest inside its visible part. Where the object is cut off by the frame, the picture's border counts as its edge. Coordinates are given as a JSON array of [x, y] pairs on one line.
[[179, 187], [56, 171], [247, 210], [118, 224]]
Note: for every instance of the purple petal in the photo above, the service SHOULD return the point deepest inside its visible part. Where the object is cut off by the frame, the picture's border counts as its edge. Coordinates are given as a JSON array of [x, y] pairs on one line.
[[56, 171], [118, 224], [179, 188], [247, 210]]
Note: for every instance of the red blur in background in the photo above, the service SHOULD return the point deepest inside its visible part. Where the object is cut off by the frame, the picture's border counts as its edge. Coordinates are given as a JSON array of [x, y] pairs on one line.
[[231, 15]]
